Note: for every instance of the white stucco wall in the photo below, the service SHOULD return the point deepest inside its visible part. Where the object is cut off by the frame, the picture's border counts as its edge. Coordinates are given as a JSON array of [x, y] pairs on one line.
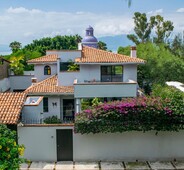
[[65, 55], [67, 78], [20, 82], [40, 143], [39, 71], [53, 110], [129, 72], [105, 90], [89, 72], [32, 114], [4, 84]]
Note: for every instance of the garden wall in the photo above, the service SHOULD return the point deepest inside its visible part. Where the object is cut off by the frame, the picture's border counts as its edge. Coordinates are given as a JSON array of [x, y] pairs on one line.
[[40, 143]]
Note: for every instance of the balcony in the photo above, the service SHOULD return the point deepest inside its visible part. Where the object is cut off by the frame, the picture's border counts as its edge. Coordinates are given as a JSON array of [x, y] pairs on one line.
[[91, 89], [27, 120]]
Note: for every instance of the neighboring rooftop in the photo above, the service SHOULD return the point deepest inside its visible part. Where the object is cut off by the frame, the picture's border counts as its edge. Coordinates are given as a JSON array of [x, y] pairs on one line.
[[176, 84], [49, 86], [45, 59], [10, 107], [93, 55]]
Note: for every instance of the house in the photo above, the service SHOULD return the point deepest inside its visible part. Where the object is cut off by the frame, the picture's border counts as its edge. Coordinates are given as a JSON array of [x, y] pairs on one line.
[[99, 74], [57, 90], [4, 77]]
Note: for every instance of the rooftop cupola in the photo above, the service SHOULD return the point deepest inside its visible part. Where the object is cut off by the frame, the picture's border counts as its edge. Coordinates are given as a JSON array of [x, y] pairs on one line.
[[90, 40]]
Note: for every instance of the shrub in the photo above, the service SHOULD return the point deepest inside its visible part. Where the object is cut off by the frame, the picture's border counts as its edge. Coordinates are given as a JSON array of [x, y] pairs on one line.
[[52, 120], [9, 150], [141, 114]]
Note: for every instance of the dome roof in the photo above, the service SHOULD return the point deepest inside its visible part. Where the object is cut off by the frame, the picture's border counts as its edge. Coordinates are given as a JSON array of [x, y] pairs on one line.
[[89, 39]]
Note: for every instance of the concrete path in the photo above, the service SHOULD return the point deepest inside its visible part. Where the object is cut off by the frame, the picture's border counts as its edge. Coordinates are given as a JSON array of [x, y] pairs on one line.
[[162, 165]]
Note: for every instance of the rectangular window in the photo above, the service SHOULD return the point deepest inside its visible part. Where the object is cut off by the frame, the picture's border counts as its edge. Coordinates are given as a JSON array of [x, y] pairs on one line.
[[64, 66], [111, 73], [45, 104]]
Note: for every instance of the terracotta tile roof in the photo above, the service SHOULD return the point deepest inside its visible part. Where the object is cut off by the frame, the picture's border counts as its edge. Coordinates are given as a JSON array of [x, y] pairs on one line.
[[92, 55], [45, 59], [49, 85], [10, 107]]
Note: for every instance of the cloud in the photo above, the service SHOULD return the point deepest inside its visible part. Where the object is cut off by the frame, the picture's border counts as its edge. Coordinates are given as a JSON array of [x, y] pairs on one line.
[[24, 25], [180, 10], [158, 11]]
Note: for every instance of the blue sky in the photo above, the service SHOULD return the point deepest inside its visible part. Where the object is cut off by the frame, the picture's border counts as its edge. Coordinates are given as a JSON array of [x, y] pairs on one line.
[[25, 20]]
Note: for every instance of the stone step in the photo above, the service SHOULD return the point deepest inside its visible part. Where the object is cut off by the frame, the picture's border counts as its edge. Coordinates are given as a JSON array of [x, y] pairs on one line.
[[42, 166], [112, 166]]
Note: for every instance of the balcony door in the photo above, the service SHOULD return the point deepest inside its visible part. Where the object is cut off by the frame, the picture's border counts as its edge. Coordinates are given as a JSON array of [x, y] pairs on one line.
[[112, 73], [68, 109]]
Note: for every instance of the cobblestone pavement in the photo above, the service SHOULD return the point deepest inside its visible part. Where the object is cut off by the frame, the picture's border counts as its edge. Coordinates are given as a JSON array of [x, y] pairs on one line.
[[118, 165]]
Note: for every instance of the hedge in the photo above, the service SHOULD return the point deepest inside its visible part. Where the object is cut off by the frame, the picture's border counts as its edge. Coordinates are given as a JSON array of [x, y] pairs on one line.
[[135, 114]]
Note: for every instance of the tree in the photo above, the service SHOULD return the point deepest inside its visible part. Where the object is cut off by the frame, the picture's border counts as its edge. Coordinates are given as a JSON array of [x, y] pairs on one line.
[[163, 29], [15, 46], [142, 28], [9, 149], [16, 65], [124, 50], [177, 46], [102, 45]]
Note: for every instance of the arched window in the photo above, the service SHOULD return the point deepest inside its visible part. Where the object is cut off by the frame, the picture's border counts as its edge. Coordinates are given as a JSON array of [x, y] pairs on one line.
[[47, 70]]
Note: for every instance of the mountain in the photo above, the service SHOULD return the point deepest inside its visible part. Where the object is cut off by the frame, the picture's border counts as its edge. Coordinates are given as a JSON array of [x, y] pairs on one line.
[[113, 42]]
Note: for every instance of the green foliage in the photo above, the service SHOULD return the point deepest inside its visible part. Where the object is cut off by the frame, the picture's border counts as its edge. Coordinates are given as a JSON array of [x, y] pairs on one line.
[[142, 29], [102, 45], [163, 29], [9, 150], [56, 43], [177, 46], [52, 120], [16, 65], [15, 46], [72, 66], [124, 50], [175, 96], [141, 114], [161, 65]]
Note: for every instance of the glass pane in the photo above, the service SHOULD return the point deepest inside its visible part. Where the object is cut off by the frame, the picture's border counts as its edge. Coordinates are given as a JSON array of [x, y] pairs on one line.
[[64, 66], [118, 70]]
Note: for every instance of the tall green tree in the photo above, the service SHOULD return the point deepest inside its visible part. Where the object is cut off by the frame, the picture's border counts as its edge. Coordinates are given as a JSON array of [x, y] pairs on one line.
[[163, 29], [177, 46], [15, 46], [142, 28]]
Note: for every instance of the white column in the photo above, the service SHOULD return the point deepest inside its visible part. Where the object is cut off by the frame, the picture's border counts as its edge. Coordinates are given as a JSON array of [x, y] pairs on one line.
[[77, 105]]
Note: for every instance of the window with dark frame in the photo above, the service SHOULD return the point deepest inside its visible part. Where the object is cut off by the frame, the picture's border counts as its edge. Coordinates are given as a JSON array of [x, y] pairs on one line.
[[112, 73], [45, 104], [64, 66], [47, 70]]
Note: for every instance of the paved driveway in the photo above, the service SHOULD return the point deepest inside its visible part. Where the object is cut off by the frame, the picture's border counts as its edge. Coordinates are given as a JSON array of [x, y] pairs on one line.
[[164, 165]]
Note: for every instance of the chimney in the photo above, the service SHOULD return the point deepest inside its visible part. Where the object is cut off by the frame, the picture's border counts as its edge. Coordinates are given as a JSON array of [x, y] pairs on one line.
[[79, 46], [133, 52], [34, 80]]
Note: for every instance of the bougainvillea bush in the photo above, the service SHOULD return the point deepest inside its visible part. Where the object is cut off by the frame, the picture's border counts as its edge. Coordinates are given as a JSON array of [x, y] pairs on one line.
[[9, 150], [134, 114]]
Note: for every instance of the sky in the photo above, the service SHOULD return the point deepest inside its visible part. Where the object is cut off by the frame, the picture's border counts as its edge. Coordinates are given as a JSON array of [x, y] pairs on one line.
[[26, 20]]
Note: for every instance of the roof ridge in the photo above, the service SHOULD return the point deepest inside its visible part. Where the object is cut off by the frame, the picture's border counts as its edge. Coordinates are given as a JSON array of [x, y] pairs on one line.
[[100, 50], [41, 57]]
